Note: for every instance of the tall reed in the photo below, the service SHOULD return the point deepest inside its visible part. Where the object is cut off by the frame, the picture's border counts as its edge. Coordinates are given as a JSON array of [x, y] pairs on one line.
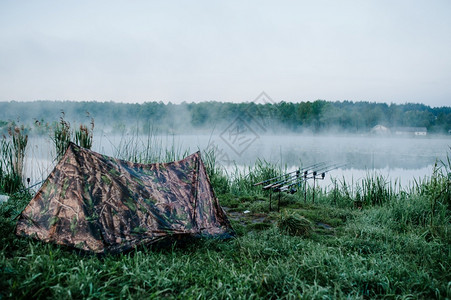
[[148, 148], [83, 135], [376, 190], [8, 182], [12, 159], [19, 146], [61, 136]]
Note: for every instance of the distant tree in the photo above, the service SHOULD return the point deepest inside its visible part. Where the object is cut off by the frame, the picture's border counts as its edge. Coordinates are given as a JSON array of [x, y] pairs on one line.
[[317, 115]]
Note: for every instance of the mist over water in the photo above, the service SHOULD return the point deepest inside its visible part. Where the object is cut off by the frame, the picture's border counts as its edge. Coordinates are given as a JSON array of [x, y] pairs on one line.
[[400, 159], [284, 134]]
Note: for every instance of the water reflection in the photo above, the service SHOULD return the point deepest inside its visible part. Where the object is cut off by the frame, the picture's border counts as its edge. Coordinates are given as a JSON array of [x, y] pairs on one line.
[[358, 152], [402, 159]]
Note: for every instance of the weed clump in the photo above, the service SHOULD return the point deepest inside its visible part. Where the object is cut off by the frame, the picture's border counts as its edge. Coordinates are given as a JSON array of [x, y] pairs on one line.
[[293, 224]]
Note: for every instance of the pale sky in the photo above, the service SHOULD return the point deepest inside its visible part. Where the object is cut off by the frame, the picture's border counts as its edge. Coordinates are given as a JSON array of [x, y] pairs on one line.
[[137, 51]]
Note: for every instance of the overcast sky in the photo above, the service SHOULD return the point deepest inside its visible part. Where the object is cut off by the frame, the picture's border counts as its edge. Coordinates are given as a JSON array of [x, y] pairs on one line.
[[137, 51]]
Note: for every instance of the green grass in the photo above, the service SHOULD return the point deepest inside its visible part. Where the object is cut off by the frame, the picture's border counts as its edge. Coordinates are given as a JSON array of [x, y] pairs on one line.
[[395, 245], [61, 136], [12, 156], [369, 253], [83, 136]]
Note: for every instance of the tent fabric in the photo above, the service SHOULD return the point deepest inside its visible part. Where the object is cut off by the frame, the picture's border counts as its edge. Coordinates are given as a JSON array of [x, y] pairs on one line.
[[104, 205]]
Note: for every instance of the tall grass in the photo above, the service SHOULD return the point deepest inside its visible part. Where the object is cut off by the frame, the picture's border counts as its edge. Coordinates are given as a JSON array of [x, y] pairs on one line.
[[372, 190], [19, 146], [13, 150], [61, 137], [215, 172], [342, 194], [83, 136], [10, 181], [148, 148], [376, 190], [243, 180]]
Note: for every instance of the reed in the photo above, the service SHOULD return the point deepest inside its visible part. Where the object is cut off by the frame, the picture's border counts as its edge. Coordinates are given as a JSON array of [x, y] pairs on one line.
[[148, 148], [13, 150], [10, 182], [61, 136], [19, 146], [375, 190], [83, 135]]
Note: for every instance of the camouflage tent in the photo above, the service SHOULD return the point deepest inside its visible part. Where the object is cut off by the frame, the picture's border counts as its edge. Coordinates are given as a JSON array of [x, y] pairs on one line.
[[101, 204]]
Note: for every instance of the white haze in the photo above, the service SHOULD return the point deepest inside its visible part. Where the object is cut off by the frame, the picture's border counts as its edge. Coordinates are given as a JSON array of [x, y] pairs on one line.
[[376, 50], [400, 160]]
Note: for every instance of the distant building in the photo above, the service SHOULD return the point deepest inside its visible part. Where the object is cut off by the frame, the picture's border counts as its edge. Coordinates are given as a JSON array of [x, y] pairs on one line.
[[410, 131], [380, 130]]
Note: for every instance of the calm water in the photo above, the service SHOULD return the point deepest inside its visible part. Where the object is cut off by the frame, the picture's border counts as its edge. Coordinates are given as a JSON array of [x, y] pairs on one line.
[[402, 159]]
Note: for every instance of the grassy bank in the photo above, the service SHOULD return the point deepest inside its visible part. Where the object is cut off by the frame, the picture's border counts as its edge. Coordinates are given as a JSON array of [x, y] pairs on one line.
[[370, 240]]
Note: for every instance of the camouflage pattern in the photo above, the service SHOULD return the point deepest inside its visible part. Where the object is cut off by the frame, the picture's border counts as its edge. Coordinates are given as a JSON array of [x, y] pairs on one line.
[[101, 204]]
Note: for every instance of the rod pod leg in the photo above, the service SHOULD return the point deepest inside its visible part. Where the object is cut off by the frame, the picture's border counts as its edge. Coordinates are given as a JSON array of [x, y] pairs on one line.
[[270, 194]]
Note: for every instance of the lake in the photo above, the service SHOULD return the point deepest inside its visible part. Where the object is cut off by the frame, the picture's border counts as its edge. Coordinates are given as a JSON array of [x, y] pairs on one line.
[[403, 159]]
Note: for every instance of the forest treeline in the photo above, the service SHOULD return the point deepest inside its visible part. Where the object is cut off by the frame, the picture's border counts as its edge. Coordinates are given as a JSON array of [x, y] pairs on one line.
[[315, 116]]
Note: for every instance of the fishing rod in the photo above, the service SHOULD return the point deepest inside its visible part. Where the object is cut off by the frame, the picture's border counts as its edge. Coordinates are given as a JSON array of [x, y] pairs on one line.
[[336, 166], [287, 181], [323, 168], [322, 171], [286, 187], [315, 166], [270, 179], [290, 178], [314, 172], [278, 184], [280, 176], [323, 174], [283, 181], [312, 168]]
